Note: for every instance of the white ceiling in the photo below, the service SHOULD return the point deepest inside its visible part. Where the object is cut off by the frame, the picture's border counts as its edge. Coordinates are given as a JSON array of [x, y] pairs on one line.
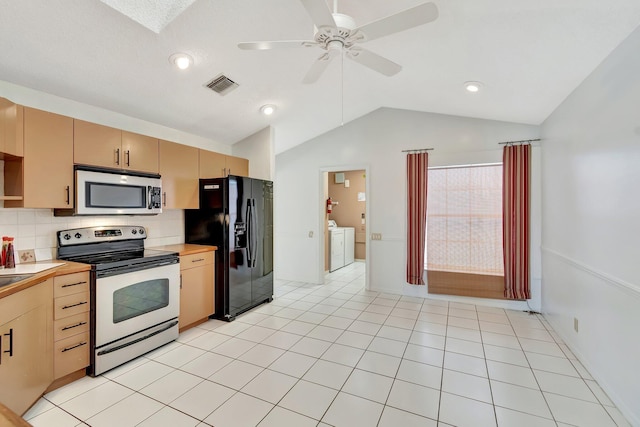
[[529, 54]]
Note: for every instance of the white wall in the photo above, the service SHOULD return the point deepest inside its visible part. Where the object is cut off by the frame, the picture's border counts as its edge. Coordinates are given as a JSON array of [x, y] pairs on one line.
[[375, 141], [591, 232], [36, 228], [258, 148]]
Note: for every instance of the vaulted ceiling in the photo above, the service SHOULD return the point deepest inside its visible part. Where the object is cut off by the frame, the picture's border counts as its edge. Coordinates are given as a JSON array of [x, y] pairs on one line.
[[529, 55]]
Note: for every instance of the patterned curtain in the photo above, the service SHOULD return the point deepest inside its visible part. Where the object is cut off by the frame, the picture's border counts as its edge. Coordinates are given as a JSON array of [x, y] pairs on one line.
[[417, 164], [516, 161]]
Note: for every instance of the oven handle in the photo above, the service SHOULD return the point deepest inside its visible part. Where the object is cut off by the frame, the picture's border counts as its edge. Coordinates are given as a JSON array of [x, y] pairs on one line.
[[138, 267], [119, 347]]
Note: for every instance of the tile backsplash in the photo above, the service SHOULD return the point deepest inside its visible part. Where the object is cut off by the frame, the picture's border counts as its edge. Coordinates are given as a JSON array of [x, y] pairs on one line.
[[36, 228]]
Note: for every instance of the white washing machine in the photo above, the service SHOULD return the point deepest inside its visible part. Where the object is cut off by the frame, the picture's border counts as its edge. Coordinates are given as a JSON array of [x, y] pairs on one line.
[[341, 246]]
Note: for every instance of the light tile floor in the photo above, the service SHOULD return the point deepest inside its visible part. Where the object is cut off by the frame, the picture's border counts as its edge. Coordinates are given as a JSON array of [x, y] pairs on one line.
[[337, 355]]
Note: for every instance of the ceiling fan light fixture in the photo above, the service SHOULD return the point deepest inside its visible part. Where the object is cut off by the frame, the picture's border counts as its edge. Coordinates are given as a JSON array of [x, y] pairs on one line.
[[473, 87], [268, 109], [181, 60]]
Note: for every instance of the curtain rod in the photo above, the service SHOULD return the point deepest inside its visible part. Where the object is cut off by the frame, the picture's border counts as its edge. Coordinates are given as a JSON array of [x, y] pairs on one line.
[[417, 150], [524, 141]]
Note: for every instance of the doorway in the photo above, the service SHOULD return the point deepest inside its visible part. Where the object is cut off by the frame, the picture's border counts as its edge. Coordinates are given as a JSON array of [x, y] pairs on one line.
[[345, 227]]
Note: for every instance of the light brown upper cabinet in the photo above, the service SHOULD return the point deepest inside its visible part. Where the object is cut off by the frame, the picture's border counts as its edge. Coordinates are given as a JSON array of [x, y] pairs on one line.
[[179, 172], [11, 128], [217, 165], [140, 152], [237, 166], [47, 171], [98, 145]]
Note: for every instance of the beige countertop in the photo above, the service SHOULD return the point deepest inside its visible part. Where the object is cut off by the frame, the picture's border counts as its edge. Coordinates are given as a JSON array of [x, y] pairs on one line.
[[54, 268], [186, 248]]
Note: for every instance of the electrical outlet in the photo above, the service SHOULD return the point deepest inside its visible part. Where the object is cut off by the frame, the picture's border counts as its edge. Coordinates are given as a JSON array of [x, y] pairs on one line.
[[575, 323], [376, 236], [310, 234]]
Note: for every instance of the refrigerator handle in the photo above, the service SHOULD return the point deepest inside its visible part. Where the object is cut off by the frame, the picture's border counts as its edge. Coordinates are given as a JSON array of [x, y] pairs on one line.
[[254, 233], [249, 233]]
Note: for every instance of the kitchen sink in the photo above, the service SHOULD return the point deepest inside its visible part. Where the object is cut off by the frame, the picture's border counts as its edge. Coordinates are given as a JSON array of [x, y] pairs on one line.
[[8, 280]]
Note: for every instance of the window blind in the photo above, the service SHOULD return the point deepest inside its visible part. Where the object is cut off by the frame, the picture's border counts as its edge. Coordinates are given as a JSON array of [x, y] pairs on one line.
[[464, 220]]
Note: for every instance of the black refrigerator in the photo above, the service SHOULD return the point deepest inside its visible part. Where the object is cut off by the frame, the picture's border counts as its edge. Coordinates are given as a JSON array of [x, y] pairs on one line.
[[236, 215]]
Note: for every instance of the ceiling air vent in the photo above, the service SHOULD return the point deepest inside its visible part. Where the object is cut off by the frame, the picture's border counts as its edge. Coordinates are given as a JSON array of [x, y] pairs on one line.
[[222, 84]]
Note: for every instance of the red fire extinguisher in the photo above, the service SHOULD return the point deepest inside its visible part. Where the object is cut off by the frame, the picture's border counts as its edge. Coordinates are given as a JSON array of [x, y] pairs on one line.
[[329, 205]]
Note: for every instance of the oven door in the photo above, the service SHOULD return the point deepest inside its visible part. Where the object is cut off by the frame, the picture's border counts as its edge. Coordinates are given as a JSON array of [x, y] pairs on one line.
[[131, 302]]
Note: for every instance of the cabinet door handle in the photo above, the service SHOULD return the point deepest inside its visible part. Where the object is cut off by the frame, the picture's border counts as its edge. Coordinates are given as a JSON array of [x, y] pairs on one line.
[[73, 305], [181, 281], [72, 347], [118, 156], [197, 260], [127, 154], [164, 199], [68, 190], [66, 328], [74, 284], [10, 335], [224, 172]]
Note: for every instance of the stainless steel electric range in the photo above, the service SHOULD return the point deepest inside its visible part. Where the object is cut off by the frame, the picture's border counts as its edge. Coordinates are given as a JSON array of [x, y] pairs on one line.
[[135, 292]]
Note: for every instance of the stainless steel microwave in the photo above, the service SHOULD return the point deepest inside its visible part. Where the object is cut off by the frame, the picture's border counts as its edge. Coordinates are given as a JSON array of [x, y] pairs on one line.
[[100, 192]]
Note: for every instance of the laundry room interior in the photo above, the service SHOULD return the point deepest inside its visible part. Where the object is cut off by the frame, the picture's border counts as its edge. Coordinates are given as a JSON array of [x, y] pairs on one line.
[[345, 236]]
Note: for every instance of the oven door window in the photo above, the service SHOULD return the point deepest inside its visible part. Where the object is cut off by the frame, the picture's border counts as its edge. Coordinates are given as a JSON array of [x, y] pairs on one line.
[[102, 195], [140, 298]]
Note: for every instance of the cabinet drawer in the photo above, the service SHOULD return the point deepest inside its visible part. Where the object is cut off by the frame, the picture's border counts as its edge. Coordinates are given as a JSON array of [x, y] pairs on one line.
[[71, 325], [70, 305], [71, 354], [70, 284], [196, 260]]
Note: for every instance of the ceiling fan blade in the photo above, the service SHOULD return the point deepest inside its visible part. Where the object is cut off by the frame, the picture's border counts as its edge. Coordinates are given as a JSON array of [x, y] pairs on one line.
[[319, 66], [266, 45], [319, 13], [373, 61], [401, 21]]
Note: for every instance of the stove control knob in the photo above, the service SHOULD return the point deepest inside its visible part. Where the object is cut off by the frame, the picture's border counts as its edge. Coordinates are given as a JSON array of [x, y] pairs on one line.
[[78, 235], [66, 236], [134, 231], [141, 231]]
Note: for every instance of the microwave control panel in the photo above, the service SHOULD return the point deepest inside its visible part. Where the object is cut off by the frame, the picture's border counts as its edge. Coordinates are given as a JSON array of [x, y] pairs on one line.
[[155, 198]]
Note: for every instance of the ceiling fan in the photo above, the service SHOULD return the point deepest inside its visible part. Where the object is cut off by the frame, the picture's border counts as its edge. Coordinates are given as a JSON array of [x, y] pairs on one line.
[[337, 33]]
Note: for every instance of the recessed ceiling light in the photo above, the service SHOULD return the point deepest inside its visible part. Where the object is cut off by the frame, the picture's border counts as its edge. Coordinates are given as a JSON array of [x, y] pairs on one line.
[[181, 60], [268, 109], [473, 87]]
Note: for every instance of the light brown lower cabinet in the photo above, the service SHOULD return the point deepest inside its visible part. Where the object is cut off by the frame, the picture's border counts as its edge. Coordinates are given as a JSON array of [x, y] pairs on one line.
[[26, 368], [71, 323], [196, 288]]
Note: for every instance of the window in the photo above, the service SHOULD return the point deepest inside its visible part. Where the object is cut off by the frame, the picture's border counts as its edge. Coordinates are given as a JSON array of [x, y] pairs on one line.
[[464, 220]]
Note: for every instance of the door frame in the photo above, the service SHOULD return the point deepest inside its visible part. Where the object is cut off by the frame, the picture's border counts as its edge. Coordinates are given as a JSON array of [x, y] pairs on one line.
[[323, 187]]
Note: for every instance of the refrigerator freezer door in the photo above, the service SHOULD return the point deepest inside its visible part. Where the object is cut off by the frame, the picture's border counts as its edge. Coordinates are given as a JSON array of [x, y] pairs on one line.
[[262, 238]]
